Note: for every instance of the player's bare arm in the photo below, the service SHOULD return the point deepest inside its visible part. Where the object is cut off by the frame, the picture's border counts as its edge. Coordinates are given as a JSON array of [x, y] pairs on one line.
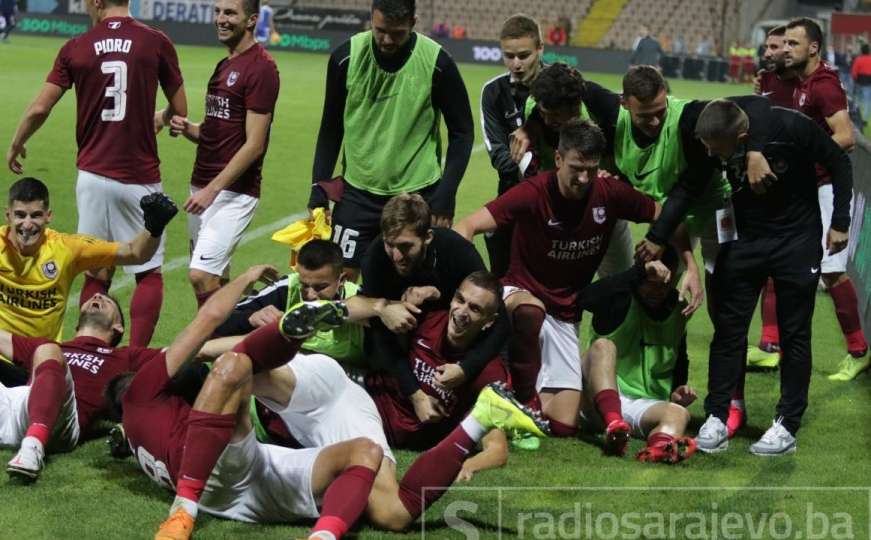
[[842, 129], [480, 222], [493, 454], [177, 106], [256, 132], [158, 211], [33, 118], [692, 281], [213, 313], [214, 348], [180, 125], [398, 317]]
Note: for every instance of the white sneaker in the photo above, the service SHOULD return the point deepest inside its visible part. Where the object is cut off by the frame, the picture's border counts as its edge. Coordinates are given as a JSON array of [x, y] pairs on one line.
[[713, 436], [29, 461], [777, 441]]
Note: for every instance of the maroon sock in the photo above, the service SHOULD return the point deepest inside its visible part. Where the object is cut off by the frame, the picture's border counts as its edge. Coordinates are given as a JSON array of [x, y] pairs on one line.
[[524, 350], [770, 332], [145, 307], [45, 399], [203, 297], [847, 310], [559, 429], [207, 436], [345, 500], [434, 470], [267, 348], [659, 439], [92, 286], [608, 405]]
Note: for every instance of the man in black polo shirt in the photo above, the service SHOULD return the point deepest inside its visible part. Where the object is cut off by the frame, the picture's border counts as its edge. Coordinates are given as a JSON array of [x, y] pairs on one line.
[[773, 231]]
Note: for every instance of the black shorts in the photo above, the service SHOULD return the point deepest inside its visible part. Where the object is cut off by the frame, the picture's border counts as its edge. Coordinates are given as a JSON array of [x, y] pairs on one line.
[[357, 220]]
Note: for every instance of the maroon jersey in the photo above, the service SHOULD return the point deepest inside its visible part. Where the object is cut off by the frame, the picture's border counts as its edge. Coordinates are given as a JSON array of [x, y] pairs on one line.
[[558, 243], [820, 96], [778, 91], [155, 422], [429, 350], [248, 82], [116, 67], [92, 363]]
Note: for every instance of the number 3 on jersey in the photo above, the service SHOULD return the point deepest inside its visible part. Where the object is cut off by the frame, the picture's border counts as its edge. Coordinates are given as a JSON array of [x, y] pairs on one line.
[[117, 91]]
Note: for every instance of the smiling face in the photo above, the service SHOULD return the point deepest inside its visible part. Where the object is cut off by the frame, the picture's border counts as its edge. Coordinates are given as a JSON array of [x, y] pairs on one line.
[[232, 22], [648, 116], [473, 309], [522, 58], [575, 173], [27, 222], [102, 313], [406, 250]]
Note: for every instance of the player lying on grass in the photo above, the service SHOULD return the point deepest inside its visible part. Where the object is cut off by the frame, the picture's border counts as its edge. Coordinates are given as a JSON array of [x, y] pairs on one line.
[[321, 406], [208, 452], [65, 397], [639, 324], [563, 221]]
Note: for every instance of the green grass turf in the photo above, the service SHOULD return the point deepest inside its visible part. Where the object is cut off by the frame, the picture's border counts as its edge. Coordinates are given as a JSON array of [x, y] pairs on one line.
[[89, 495]]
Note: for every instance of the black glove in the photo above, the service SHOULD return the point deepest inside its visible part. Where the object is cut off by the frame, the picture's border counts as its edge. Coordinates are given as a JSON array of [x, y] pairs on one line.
[[159, 210]]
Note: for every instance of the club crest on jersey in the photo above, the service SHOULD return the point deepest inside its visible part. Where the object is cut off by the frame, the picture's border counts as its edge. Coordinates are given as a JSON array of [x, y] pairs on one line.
[[801, 99], [49, 270], [114, 25], [599, 214], [232, 78]]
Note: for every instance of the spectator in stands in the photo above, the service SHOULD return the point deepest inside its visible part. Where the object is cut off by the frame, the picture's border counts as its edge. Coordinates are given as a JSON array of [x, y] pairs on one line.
[[557, 35], [678, 45], [441, 30], [7, 12], [458, 31], [861, 75], [647, 50], [704, 47], [566, 24]]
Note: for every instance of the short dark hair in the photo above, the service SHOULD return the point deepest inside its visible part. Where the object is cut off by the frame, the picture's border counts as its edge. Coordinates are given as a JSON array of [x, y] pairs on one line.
[[395, 10], [114, 393], [559, 85], [27, 190], [116, 336], [721, 118], [583, 136], [118, 2], [811, 28], [865, 48], [318, 253], [777, 31], [643, 83], [251, 7], [406, 210], [487, 281], [520, 26]]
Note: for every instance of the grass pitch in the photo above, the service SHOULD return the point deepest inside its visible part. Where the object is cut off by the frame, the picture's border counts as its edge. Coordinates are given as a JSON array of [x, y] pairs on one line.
[[565, 490]]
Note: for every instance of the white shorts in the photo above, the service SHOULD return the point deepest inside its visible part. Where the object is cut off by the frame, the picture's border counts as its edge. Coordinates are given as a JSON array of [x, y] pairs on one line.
[[327, 407], [620, 255], [110, 210], [215, 233], [560, 352], [14, 419], [838, 262], [633, 410], [261, 483]]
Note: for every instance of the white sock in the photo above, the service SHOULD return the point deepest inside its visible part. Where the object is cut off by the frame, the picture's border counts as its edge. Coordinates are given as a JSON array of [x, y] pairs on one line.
[[322, 535], [182, 502], [473, 428]]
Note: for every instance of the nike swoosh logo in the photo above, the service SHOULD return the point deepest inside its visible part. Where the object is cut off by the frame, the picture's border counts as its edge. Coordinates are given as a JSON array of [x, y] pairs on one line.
[[553, 223], [763, 94], [641, 176], [206, 258], [384, 98], [814, 270], [423, 344]]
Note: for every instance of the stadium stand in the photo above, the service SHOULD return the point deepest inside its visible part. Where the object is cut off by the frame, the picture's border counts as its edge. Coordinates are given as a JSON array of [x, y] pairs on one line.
[[691, 19]]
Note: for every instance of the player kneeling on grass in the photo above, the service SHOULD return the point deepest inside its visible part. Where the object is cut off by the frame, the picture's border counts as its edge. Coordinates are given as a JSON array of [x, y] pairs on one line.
[[208, 453], [639, 322], [321, 406]]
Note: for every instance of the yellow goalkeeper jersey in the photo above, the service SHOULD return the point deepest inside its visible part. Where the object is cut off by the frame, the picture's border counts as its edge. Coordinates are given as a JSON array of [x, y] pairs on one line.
[[34, 289]]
